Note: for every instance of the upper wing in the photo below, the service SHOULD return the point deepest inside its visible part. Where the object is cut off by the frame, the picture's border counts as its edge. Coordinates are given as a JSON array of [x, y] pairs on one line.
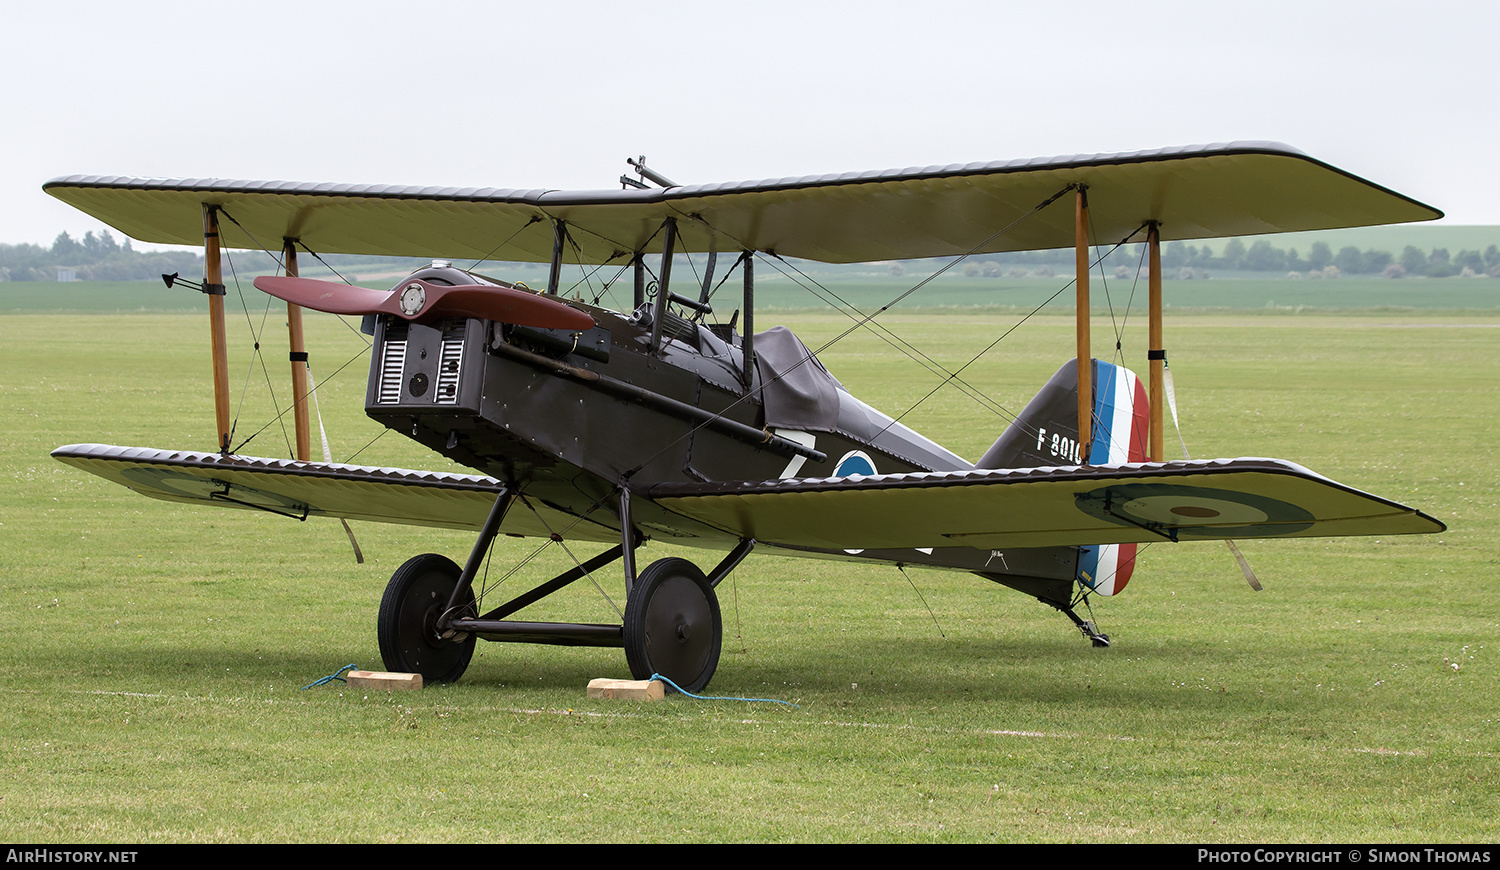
[[1239, 188], [303, 489], [1194, 500]]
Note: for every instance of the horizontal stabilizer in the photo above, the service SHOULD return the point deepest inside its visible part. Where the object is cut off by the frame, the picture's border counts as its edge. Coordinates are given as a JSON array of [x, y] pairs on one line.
[[1040, 507], [304, 489]]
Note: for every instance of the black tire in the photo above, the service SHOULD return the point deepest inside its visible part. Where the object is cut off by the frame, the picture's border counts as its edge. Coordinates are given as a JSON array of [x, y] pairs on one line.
[[672, 625], [414, 599]]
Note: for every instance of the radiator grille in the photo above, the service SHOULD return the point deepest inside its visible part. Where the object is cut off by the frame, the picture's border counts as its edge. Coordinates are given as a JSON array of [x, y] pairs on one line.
[[392, 364], [450, 363]]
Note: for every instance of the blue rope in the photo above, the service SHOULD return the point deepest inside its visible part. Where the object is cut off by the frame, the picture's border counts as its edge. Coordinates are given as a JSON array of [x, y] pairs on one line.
[[683, 691], [336, 675]]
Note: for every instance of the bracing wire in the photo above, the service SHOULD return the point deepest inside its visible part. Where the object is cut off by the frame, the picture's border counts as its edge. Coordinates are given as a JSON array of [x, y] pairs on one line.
[[1134, 285], [608, 285], [283, 413], [554, 537], [508, 239], [889, 336], [276, 405], [258, 357], [861, 322], [367, 444], [902, 568], [1027, 427], [728, 273], [1117, 327]]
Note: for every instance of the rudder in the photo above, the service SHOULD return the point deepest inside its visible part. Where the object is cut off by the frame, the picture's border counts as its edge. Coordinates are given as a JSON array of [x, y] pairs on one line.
[[1046, 434]]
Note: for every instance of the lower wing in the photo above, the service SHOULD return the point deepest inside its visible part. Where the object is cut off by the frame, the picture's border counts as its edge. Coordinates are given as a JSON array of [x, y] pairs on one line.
[[1042, 507], [304, 489], [984, 509]]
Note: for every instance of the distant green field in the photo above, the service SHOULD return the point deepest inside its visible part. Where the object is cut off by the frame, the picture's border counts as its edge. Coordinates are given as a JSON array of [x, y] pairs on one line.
[[1368, 294], [96, 297], [868, 294], [1388, 238], [152, 656]]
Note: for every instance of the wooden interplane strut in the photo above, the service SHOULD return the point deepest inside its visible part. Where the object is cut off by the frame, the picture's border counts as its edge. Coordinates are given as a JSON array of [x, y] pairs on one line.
[[1085, 355], [298, 355], [213, 285], [1156, 356]]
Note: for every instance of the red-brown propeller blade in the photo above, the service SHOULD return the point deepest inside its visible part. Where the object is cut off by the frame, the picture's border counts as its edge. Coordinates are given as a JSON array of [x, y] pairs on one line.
[[416, 299], [329, 296], [508, 305]]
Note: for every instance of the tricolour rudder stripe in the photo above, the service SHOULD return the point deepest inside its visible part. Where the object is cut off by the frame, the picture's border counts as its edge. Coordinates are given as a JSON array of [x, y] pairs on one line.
[[1121, 417]]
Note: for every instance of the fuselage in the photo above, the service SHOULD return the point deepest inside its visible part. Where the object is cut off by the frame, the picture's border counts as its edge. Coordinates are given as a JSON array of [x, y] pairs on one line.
[[568, 417]]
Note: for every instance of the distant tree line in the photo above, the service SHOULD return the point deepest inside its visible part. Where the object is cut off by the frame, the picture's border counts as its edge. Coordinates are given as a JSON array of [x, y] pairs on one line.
[[1186, 260], [94, 258], [101, 258], [1262, 256]]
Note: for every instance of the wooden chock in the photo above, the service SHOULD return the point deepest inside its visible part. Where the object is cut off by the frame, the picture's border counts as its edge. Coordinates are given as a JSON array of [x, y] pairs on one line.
[[627, 690], [384, 681]]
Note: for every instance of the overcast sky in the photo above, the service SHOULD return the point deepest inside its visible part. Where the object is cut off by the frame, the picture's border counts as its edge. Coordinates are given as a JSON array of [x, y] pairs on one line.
[[557, 94]]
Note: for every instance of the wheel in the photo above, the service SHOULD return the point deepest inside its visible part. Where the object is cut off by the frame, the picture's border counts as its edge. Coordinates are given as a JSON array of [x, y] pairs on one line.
[[407, 627], [672, 625]]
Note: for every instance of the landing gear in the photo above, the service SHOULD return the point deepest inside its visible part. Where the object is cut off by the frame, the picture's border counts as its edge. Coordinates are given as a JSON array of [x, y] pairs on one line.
[[1090, 631], [429, 618], [415, 599], [672, 625]]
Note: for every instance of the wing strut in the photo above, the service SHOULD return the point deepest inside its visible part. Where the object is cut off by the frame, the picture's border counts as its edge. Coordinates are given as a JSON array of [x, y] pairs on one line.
[[213, 285], [298, 355], [663, 284], [1155, 354], [638, 267], [554, 274], [1085, 355], [747, 342]]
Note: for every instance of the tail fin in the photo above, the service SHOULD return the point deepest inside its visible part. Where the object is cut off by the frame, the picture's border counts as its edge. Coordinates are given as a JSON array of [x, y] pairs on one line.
[[1046, 434]]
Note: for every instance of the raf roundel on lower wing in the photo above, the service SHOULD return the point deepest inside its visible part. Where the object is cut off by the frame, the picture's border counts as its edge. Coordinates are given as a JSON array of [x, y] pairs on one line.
[[671, 414]]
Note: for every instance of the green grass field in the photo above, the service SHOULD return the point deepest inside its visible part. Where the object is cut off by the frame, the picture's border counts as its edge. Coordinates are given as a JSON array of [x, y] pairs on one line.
[[152, 656]]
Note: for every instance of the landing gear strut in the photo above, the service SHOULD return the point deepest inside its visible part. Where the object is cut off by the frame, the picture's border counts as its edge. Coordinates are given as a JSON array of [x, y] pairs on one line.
[[672, 626], [1090, 631]]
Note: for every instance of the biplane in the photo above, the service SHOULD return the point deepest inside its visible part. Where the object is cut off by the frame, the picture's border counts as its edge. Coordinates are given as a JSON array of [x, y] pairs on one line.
[[671, 421]]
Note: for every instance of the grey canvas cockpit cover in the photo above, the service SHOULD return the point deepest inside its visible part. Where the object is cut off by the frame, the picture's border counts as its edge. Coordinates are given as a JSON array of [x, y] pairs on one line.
[[798, 392]]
